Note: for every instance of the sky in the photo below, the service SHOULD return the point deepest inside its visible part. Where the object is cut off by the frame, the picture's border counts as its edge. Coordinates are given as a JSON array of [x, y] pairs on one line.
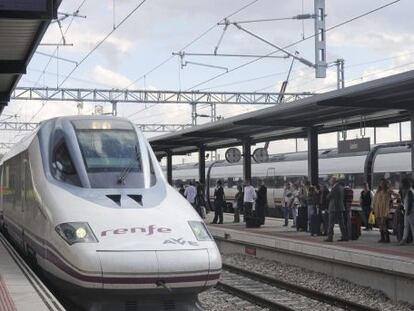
[[373, 46]]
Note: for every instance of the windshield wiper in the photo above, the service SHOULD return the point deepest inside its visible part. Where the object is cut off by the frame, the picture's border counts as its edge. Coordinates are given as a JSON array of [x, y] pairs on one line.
[[128, 169]]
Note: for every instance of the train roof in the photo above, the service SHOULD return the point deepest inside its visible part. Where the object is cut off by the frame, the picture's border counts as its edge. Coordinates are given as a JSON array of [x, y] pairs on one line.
[[303, 155], [25, 142]]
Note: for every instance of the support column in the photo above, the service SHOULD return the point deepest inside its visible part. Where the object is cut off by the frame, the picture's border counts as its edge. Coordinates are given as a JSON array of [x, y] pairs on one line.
[[247, 159], [169, 167], [313, 157], [412, 144], [202, 164]]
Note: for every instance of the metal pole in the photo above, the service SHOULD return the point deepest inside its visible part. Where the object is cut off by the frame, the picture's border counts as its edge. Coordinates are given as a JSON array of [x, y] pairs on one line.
[[313, 168], [202, 164], [247, 160], [213, 112], [169, 167], [400, 129], [114, 108], [375, 135], [194, 114]]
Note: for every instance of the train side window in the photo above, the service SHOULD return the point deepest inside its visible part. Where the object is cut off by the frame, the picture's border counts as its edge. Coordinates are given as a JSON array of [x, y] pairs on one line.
[[63, 168]]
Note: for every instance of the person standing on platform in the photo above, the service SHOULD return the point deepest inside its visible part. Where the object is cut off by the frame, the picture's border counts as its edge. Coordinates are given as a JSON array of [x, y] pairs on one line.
[[200, 202], [287, 202], [311, 204], [382, 202], [324, 204], [239, 204], [366, 200], [336, 210], [261, 202], [190, 194], [408, 202], [219, 202], [295, 203], [248, 199], [348, 199]]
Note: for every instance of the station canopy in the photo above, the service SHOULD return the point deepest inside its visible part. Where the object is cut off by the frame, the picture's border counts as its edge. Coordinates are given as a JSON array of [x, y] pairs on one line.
[[22, 26], [371, 104]]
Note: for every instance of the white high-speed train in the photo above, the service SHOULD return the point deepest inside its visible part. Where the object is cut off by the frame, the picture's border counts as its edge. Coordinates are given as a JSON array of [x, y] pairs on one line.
[[388, 160], [85, 199]]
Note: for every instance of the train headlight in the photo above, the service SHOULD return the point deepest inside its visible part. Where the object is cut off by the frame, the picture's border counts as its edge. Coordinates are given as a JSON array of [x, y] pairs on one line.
[[200, 231], [76, 232]]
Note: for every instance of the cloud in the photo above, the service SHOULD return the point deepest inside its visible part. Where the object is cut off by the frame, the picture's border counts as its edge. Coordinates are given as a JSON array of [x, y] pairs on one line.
[[110, 78]]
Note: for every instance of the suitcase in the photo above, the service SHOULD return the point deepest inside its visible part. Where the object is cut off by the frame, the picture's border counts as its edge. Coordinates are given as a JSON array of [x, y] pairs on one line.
[[325, 217], [301, 219], [315, 225], [252, 221], [355, 227]]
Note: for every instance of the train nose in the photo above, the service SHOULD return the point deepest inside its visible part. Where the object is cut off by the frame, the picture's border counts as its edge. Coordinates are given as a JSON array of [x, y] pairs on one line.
[[156, 269]]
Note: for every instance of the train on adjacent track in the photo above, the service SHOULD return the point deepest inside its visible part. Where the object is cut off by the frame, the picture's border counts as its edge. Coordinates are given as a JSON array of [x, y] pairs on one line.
[[392, 161], [85, 199]]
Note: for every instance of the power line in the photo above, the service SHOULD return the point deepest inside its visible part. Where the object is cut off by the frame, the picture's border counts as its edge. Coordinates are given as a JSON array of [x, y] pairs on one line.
[[93, 50], [102, 41], [48, 63], [188, 45], [191, 43], [293, 44]]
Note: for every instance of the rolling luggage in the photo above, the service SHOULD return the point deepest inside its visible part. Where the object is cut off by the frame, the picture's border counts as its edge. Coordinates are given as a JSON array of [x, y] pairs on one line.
[[355, 227], [301, 219], [252, 221], [325, 219], [315, 225]]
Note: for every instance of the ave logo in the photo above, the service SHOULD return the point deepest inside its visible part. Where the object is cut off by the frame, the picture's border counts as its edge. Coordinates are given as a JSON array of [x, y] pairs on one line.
[[180, 241]]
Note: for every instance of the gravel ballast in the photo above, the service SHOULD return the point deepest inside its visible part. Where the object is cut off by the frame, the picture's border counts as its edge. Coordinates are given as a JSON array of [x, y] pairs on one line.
[[216, 300], [316, 281]]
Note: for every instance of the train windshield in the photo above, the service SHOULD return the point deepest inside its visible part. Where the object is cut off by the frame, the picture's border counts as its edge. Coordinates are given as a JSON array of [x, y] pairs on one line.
[[107, 150]]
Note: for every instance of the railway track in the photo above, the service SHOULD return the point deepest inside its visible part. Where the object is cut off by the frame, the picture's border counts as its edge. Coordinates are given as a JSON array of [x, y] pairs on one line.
[[274, 294]]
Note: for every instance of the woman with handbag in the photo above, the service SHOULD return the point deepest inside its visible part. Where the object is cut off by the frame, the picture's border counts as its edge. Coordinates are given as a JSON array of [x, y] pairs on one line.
[[382, 201], [366, 205]]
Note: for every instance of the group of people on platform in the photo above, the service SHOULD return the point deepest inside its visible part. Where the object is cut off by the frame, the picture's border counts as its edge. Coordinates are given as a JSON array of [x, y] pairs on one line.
[[317, 208], [313, 207], [247, 200]]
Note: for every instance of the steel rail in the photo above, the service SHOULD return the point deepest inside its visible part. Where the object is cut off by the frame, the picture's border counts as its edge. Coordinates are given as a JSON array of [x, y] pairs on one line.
[[302, 290], [255, 299]]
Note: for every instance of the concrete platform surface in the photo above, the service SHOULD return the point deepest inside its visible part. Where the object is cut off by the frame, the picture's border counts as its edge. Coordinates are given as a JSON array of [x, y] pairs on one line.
[[20, 289], [365, 251]]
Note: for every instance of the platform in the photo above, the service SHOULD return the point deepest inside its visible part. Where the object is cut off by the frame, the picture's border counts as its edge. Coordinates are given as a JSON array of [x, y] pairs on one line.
[[20, 289], [390, 267]]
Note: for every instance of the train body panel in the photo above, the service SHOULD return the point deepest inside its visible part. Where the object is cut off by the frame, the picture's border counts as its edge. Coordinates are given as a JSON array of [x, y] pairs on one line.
[[92, 229], [392, 162]]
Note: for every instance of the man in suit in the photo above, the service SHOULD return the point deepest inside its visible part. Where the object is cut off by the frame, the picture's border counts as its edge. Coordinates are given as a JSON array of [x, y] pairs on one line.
[[336, 210]]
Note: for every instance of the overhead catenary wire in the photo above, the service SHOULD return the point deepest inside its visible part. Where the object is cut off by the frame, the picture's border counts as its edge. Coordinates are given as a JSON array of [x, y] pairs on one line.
[[190, 43], [103, 40], [47, 65], [295, 43], [168, 59], [93, 50]]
